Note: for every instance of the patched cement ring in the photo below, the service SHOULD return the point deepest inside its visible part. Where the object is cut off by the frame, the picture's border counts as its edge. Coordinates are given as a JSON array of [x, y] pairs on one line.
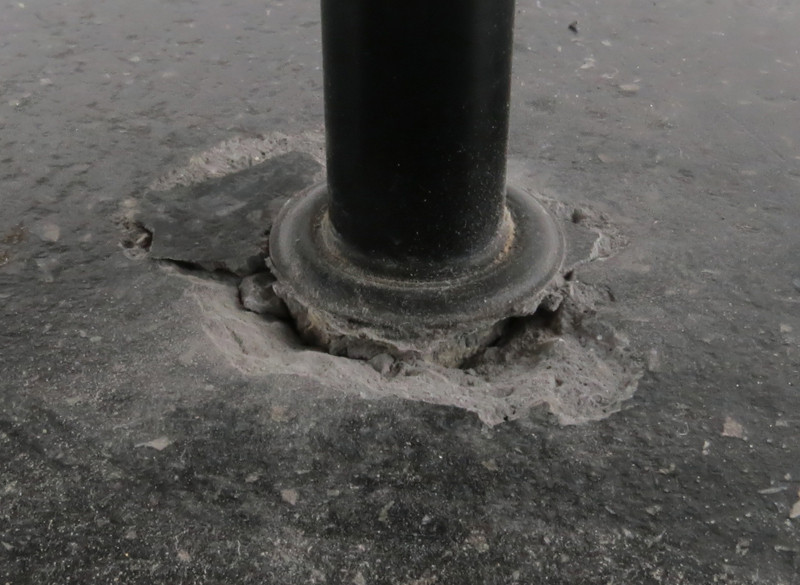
[[445, 320]]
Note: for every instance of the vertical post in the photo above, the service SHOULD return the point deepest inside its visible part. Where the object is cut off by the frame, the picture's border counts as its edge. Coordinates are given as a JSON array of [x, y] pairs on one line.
[[416, 109], [415, 246]]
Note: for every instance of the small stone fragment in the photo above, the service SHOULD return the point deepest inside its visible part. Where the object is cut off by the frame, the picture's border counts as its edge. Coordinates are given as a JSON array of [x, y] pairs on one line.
[[578, 215], [251, 478], [743, 546], [629, 88], [796, 283], [491, 465], [259, 297], [573, 26], [290, 496], [732, 428], [786, 328], [773, 490], [383, 515], [382, 363], [7, 546], [795, 512], [359, 579], [157, 444], [48, 268], [478, 541], [184, 556], [653, 360], [279, 413]]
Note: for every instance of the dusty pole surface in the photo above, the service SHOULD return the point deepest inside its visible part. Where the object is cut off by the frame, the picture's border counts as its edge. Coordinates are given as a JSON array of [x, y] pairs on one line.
[[416, 107]]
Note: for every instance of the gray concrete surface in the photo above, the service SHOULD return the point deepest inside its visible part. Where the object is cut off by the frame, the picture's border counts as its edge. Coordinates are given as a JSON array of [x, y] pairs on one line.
[[132, 451]]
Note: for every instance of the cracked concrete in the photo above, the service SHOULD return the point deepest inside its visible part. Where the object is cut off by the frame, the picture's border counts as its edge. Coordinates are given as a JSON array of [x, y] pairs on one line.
[[132, 451], [560, 361]]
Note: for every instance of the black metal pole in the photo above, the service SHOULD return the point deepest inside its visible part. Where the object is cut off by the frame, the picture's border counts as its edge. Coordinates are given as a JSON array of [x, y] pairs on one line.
[[415, 246], [416, 111]]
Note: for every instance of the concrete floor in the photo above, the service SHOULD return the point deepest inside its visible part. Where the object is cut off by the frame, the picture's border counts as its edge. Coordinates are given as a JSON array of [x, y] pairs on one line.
[[131, 451]]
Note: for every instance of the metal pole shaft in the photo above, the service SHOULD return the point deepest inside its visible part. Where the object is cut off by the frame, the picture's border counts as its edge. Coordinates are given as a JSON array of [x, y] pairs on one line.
[[415, 247], [417, 108]]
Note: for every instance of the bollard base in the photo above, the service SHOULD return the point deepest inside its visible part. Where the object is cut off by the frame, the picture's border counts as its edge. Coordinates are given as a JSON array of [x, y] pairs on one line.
[[442, 314]]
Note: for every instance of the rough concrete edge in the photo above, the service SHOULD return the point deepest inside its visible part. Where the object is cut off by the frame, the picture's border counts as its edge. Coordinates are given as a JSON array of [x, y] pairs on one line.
[[261, 347], [451, 346], [447, 347], [239, 153]]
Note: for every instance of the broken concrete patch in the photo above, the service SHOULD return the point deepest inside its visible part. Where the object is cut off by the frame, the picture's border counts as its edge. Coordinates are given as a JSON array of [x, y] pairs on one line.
[[562, 356], [222, 224], [577, 365]]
